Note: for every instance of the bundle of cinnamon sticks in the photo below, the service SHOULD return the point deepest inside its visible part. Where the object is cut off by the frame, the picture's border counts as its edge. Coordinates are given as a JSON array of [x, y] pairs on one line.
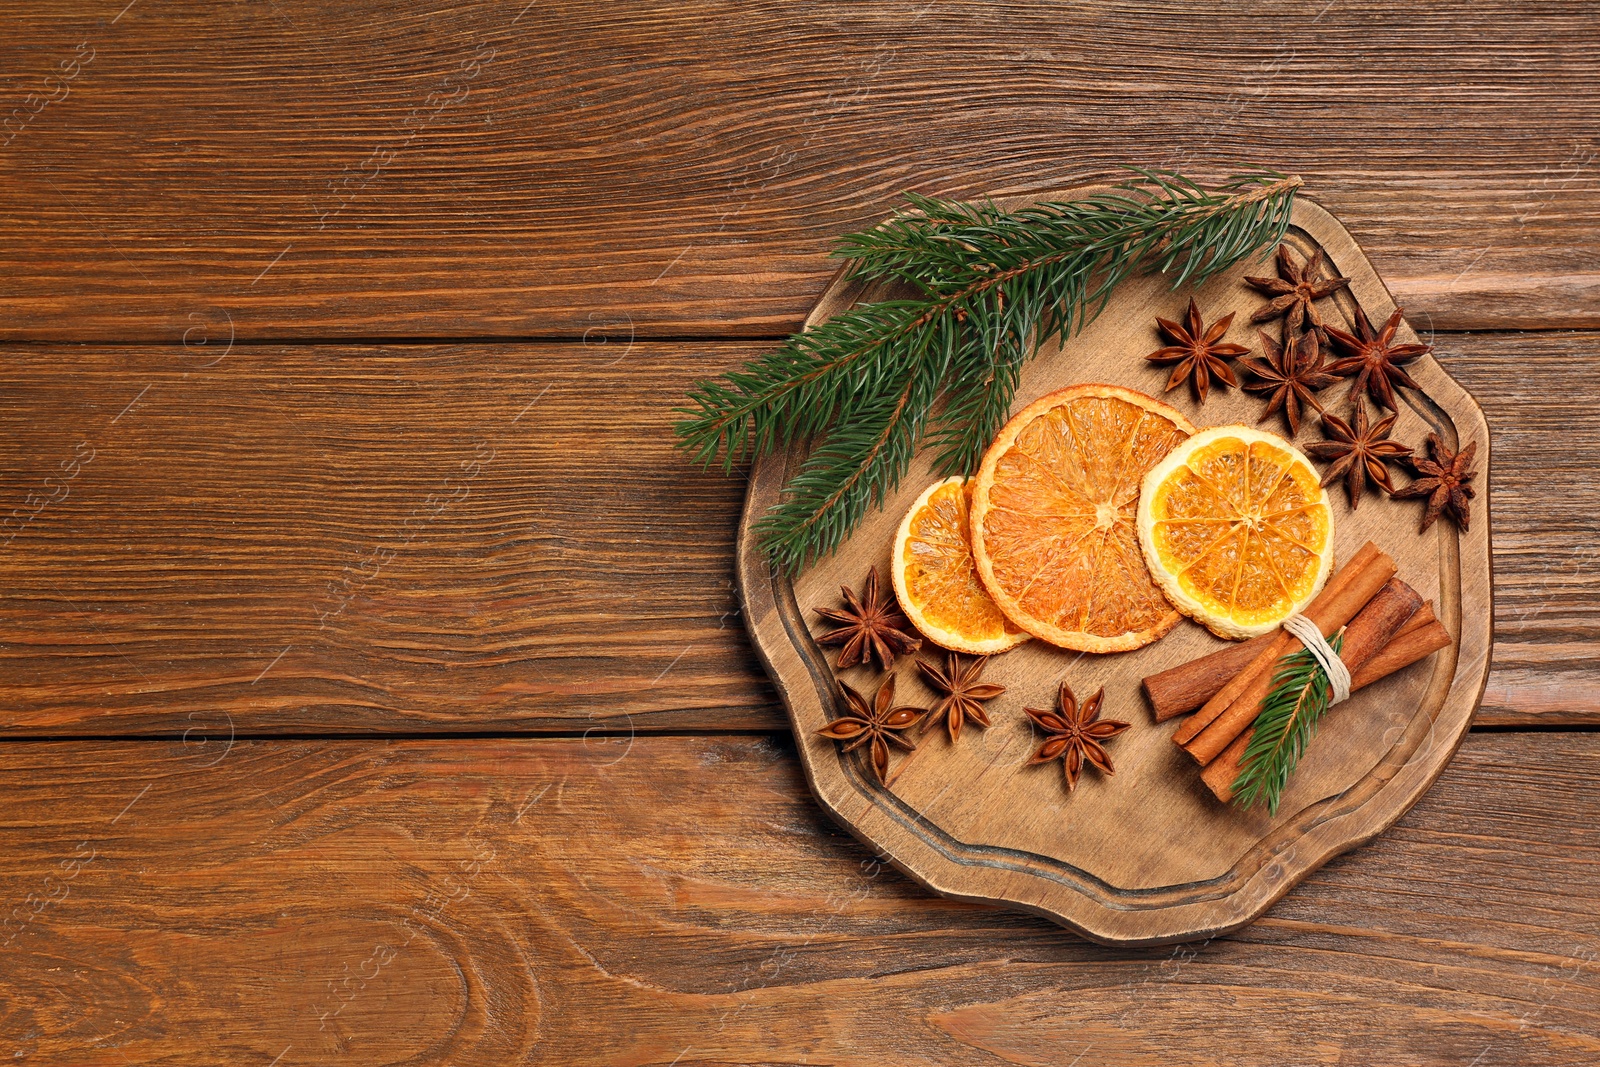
[[1387, 626]]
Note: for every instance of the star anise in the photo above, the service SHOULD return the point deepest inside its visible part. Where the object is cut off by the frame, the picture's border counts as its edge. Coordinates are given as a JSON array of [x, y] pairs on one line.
[[871, 626], [962, 692], [878, 725], [1444, 480], [1358, 453], [1200, 353], [1075, 734], [1292, 374], [1295, 291], [1374, 359]]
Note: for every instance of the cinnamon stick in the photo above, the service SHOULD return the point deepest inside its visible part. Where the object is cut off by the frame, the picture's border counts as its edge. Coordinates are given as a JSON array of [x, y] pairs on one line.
[[1345, 594], [1220, 774], [1183, 688], [1419, 638], [1187, 686], [1369, 629], [1407, 648], [1423, 616]]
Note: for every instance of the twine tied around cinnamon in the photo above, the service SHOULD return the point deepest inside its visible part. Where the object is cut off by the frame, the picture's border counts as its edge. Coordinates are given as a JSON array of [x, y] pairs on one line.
[[1310, 635]]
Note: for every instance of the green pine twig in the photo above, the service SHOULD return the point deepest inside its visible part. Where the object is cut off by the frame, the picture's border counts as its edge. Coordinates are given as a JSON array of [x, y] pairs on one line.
[[872, 384], [1284, 726]]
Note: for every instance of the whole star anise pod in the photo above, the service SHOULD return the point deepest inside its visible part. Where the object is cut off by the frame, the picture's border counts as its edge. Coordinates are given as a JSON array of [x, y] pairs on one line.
[[1358, 453], [1074, 734], [1292, 374], [1374, 359], [1295, 291], [870, 626], [878, 724], [962, 693], [1444, 480], [1200, 353]]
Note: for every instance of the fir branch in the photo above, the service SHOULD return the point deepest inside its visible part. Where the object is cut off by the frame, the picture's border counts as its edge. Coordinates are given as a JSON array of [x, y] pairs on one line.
[[992, 286], [1284, 726]]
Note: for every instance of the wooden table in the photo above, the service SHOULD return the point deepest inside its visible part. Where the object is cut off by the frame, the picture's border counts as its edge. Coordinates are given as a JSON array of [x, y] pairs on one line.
[[372, 682]]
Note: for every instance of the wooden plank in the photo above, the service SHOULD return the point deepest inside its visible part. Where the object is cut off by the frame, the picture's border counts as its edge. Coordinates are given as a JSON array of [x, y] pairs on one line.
[[682, 900], [1538, 393], [413, 539], [295, 170], [278, 499]]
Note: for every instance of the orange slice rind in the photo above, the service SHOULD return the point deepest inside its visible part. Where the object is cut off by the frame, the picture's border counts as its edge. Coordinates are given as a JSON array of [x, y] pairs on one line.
[[1054, 529], [1236, 529], [936, 579]]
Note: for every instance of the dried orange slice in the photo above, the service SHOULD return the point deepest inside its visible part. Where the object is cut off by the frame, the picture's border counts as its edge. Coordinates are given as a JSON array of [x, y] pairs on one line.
[[937, 581], [1236, 529], [1053, 517]]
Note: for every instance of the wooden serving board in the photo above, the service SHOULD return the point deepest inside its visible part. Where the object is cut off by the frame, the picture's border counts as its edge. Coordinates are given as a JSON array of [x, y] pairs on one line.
[[1147, 856]]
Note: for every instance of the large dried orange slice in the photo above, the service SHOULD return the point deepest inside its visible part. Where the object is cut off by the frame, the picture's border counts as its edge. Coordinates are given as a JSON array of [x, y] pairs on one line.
[[937, 581], [1236, 529], [1053, 521]]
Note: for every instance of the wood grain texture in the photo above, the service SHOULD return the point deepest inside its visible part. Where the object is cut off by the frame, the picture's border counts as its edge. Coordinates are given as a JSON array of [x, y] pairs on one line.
[[460, 168], [224, 510], [1547, 569], [330, 540], [683, 900], [475, 169]]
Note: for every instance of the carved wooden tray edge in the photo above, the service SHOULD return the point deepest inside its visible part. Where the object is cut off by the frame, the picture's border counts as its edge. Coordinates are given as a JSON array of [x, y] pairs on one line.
[[1075, 898]]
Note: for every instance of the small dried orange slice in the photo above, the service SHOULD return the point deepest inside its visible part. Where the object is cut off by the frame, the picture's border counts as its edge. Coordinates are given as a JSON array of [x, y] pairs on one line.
[[937, 581], [1053, 520], [1236, 529]]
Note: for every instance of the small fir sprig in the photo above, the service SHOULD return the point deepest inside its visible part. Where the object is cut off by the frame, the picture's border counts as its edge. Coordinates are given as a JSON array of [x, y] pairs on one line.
[[871, 384], [1284, 726]]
